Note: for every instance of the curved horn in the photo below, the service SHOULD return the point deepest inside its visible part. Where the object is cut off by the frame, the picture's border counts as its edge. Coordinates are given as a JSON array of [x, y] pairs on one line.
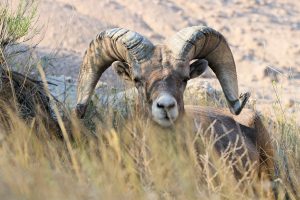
[[111, 45], [200, 42]]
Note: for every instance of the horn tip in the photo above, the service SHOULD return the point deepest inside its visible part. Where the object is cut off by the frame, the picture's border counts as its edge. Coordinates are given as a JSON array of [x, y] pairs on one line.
[[239, 105]]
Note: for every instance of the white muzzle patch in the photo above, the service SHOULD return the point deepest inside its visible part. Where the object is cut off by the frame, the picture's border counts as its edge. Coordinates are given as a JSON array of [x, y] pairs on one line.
[[165, 110]]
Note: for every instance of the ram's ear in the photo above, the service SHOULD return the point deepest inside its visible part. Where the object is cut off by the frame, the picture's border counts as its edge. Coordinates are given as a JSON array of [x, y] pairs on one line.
[[122, 69], [197, 68]]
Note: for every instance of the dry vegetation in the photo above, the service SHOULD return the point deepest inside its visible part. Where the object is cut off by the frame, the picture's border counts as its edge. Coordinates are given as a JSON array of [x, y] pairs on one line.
[[116, 158]]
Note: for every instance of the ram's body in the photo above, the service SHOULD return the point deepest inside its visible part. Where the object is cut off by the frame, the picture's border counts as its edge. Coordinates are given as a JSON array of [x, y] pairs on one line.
[[246, 128]]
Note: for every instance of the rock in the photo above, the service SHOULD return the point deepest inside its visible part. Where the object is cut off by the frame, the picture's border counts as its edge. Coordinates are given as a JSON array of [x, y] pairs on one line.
[[101, 84], [260, 42], [296, 26], [272, 73], [225, 29], [64, 90], [292, 72], [250, 56], [254, 78], [198, 90], [291, 103], [70, 7]]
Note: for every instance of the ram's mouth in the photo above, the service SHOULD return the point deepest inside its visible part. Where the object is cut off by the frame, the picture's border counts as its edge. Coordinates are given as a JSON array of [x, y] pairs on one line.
[[165, 121], [168, 118]]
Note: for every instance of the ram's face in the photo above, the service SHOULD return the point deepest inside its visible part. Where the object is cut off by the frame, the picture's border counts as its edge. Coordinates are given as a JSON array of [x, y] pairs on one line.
[[161, 82], [162, 91]]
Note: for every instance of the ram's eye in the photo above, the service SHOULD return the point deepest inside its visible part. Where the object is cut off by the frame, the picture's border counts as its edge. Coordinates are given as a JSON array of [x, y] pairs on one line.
[[136, 80]]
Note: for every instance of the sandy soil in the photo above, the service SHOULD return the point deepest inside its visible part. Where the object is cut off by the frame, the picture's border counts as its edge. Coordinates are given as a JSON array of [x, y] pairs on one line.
[[263, 34]]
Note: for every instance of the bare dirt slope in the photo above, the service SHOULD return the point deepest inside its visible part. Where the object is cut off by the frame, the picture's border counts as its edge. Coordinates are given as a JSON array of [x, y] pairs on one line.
[[264, 36]]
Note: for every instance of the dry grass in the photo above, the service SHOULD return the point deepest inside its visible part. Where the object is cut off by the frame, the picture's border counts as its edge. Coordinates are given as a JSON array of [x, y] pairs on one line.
[[132, 159]]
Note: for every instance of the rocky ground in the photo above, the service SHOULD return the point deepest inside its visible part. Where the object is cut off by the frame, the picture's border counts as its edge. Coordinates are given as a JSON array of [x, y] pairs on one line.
[[263, 34]]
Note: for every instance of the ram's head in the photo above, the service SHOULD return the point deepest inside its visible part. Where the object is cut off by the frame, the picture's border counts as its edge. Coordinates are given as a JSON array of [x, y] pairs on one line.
[[160, 72]]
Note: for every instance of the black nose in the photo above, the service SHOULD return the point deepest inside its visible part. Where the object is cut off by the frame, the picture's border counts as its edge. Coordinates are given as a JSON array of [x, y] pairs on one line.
[[166, 105]]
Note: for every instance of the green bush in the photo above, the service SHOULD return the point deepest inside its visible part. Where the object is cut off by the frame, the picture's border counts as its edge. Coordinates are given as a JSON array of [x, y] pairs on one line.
[[17, 26]]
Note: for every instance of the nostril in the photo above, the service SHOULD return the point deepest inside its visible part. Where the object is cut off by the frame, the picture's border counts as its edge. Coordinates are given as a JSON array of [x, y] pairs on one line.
[[171, 105], [160, 105]]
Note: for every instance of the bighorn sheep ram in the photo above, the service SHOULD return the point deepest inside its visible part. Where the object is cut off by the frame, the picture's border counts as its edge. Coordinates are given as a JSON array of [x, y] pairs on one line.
[[161, 72]]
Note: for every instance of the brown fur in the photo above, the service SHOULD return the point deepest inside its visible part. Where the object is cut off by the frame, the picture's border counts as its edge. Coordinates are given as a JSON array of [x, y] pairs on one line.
[[248, 126]]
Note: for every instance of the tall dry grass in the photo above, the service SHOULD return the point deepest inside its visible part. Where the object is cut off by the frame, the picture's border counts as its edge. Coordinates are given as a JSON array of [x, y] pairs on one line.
[[133, 159]]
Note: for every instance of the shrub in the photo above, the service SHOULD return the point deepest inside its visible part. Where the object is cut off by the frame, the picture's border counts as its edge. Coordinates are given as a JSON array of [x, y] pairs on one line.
[[17, 26]]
